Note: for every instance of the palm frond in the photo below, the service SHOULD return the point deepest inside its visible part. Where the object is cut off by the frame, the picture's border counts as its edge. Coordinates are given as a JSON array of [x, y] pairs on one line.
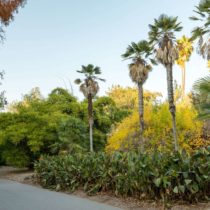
[[201, 97], [89, 85], [163, 26], [202, 85], [97, 70], [203, 15], [78, 81]]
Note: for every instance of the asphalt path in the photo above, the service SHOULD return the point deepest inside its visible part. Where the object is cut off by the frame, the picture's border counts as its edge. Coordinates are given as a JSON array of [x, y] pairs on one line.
[[17, 196]]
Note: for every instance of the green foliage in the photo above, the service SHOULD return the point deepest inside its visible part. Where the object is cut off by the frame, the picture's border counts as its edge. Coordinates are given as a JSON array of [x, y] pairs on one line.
[[16, 156], [2, 93], [202, 32], [53, 125], [72, 136], [158, 129], [34, 126], [150, 175], [164, 25], [139, 52], [106, 114], [201, 97], [2, 162]]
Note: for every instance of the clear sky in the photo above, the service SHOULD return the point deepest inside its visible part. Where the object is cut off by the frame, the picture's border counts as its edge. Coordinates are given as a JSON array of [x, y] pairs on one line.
[[49, 40]]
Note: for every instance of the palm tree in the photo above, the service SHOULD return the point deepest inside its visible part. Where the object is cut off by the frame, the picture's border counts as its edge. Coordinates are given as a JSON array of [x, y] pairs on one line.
[[202, 33], [89, 87], [185, 49], [162, 36], [139, 70], [201, 97]]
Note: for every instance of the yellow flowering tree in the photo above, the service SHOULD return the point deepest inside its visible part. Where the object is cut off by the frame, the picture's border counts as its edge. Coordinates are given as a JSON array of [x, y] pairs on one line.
[[158, 129], [185, 49], [127, 97]]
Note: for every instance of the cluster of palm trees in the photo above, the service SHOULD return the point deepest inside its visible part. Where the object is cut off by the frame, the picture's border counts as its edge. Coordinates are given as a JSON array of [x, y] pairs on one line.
[[162, 48], [162, 44]]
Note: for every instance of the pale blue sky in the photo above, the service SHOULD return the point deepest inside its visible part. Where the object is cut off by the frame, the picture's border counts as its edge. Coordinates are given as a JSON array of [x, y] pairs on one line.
[[49, 40]]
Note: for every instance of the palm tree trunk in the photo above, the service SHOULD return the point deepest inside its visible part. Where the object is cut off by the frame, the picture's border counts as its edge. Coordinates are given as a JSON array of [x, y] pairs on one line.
[[183, 81], [141, 111], [90, 116], [172, 107], [141, 108]]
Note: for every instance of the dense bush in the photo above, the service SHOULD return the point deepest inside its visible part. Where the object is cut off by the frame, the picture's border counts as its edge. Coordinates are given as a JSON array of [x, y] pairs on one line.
[[53, 125], [147, 175], [1, 158], [158, 127]]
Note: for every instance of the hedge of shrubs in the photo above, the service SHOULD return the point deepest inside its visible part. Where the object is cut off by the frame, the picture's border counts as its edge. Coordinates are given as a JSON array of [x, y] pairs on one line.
[[141, 175]]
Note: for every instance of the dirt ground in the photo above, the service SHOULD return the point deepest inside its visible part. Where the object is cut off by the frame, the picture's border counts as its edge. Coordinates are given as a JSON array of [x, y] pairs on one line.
[[27, 177]]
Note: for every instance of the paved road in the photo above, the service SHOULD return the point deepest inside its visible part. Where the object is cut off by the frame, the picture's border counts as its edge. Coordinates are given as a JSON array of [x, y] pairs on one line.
[[16, 196]]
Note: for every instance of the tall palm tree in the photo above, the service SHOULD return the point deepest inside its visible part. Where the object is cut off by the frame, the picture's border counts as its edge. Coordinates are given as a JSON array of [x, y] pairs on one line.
[[139, 69], [185, 49], [202, 33], [162, 36], [89, 87]]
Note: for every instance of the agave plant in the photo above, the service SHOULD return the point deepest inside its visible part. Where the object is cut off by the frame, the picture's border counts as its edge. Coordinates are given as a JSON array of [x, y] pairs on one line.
[[162, 37], [139, 69], [202, 33], [89, 87]]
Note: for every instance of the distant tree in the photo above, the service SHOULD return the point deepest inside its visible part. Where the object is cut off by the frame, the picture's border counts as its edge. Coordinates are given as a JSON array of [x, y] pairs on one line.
[[40, 125], [2, 96], [162, 36], [139, 70], [202, 33], [158, 129], [127, 97], [7, 10], [53, 125], [185, 49], [89, 87]]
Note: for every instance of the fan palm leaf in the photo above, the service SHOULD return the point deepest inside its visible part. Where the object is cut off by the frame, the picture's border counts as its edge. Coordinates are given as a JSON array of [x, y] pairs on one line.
[[201, 96], [202, 33]]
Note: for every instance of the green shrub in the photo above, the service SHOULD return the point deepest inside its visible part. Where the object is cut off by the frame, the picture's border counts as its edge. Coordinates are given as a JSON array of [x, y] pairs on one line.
[[147, 175], [15, 157], [1, 158]]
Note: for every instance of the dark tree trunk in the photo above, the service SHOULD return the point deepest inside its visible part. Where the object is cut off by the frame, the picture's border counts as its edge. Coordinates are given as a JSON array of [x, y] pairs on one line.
[[141, 111], [90, 117], [172, 107]]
